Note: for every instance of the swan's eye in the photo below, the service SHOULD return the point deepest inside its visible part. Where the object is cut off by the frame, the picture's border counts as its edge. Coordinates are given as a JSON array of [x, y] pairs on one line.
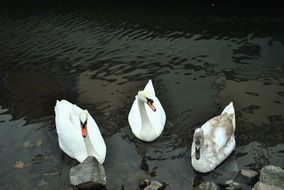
[[197, 142], [150, 104], [83, 124], [144, 183], [149, 101], [147, 182]]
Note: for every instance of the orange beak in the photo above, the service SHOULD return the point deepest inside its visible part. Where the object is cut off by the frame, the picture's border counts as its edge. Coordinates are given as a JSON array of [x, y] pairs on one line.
[[152, 106], [84, 131]]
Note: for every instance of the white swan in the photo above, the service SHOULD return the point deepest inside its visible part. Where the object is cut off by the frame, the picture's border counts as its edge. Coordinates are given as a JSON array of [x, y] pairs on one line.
[[78, 133], [147, 117], [214, 141]]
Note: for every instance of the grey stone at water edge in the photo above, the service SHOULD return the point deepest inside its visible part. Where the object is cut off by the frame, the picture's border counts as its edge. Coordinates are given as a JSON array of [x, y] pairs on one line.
[[90, 174], [250, 175], [151, 185], [272, 175], [232, 185], [207, 186], [264, 186]]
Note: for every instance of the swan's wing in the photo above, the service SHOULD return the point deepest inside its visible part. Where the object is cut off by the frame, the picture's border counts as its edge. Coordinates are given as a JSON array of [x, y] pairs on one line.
[[96, 138], [218, 131], [220, 137], [224, 139], [157, 118], [229, 109], [69, 132], [150, 88], [134, 118]]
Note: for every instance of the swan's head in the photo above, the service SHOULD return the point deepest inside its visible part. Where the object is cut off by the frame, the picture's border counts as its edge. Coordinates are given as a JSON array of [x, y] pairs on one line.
[[147, 98], [83, 120], [198, 141]]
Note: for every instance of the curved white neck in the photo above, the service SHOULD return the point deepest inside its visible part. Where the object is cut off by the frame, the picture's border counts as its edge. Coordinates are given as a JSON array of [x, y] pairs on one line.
[[144, 117], [89, 146]]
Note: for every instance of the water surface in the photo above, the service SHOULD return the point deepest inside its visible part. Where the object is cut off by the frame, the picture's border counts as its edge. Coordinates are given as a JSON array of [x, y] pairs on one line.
[[100, 57]]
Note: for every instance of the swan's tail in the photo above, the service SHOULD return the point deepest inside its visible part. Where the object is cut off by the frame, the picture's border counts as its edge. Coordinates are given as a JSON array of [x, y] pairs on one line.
[[62, 105], [229, 109], [59, 104], [56, 107], [149, 87]]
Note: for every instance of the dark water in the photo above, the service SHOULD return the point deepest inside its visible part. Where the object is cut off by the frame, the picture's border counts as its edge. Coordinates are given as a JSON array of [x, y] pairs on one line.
[[100, 56]]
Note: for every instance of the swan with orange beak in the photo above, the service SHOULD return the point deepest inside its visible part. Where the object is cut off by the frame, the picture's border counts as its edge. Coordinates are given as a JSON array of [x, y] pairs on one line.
[[78, 133], [147, 117]]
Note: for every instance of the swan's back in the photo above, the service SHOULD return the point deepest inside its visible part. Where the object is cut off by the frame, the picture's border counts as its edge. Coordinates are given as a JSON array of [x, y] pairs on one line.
[[220, 129], [230, 110]]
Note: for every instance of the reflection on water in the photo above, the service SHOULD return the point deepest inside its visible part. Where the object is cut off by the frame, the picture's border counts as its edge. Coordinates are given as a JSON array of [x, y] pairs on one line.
[[264, 96], [99, 59]]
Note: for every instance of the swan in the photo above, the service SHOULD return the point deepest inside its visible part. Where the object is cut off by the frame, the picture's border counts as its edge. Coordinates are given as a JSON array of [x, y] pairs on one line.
[[214, 141], [147, 117], [78, 133]]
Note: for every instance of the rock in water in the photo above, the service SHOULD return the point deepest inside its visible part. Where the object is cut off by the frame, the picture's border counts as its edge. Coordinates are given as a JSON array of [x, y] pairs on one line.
[[232, 185], [272, 175], [90, 174], [147, 184], [206, 185], [249, 175], [263, 186]]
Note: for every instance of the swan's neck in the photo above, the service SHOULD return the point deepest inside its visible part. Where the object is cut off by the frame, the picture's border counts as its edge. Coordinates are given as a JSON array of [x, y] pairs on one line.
[[89, 146], [144, 117]]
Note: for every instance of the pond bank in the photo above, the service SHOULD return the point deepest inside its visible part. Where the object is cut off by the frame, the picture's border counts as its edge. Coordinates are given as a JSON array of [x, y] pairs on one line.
[[270, 178]]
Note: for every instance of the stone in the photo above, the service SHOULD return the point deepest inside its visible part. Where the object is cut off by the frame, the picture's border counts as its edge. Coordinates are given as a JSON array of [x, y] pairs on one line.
[[232, 185], [272, 175], [206, 185], [147, 184], [250, 175], [90, 174], [226, 171], [263, 186]]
